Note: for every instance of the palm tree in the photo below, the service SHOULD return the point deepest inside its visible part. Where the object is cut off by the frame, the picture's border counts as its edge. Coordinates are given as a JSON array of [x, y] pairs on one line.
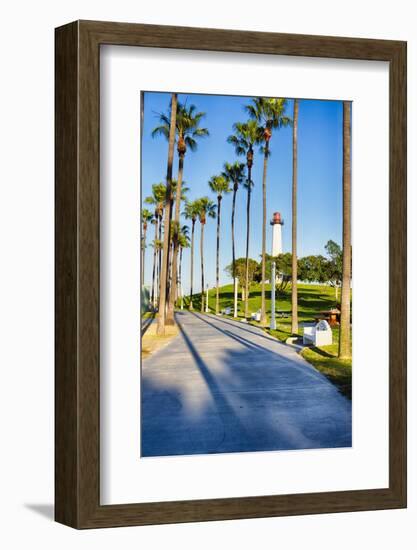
[[344, 336], [183, 242], [146, 218], [187, 131], [165, 258], [184, 191], [270, 114], [234, 173], [294, 297], [206, 208], [158, 200], [245, 137], [219, 185], [191, 213], [157, 247], [155, 223]]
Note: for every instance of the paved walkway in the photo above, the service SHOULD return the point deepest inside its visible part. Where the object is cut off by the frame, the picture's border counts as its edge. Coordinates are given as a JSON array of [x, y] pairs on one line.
[[223, 386]]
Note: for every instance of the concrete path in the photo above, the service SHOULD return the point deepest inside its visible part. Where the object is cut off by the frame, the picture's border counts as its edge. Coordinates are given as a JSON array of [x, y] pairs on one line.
[[222, 386]]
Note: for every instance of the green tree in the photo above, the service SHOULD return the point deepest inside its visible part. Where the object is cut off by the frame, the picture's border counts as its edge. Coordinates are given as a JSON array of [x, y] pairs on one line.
[[344, 335], [206, 209], [334, 265], [245, 280], [269, 114], [191, 213], [313, 269], [220, 186], [246, 135], [188, 130]]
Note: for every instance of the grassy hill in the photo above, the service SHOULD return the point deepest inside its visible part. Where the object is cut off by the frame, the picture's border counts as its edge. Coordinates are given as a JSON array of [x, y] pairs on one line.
[[312, 300]]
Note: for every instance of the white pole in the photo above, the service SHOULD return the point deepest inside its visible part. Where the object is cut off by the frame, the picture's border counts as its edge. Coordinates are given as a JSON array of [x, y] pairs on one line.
[[273, 325], [182, 296], [207, 308], [235, 304]]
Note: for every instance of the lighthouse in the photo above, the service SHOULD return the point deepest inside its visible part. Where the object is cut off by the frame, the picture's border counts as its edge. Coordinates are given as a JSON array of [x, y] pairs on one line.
[[277, 222]]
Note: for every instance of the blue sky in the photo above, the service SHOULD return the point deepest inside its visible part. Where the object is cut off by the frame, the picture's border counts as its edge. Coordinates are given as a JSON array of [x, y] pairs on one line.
[[319, 178]]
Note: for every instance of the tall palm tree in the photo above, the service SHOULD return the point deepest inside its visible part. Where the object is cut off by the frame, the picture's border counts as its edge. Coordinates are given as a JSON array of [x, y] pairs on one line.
[[191, 213], [158, 200], [146, 216], [188, 130], [184, 191], [270, 114], [165, 255], [155, 223], [175, 235], [294, 274], [183, 242], [344, 336], [234, 173], [245, 137], [157, 247], [219, 185], [206, 208]]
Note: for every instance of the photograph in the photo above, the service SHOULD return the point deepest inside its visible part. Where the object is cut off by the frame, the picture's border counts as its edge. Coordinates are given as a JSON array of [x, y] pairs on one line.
[[246, 270]]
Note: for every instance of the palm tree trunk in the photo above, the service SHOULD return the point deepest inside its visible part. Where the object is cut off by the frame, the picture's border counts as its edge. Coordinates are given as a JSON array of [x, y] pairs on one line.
[[180, 277], [174, 282], [158, 282], [165, 253], [160, 250], [154, 263], [233, 231], [233, 241], [263, 309], [247, 243], [344, 336], [142, 275], [294, 297], [219, 202], [202, 266], [190, 307]]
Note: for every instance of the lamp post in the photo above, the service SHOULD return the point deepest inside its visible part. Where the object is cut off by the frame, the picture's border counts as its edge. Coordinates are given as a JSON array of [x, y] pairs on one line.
[[273, 325], [235, 301]]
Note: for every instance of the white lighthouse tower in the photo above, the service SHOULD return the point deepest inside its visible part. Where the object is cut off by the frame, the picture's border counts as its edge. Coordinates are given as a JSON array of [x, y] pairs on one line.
[[277, 223]]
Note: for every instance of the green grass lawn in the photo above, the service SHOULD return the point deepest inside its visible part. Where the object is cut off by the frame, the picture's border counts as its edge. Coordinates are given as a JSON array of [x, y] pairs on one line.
[[147, 315], [312, 299]]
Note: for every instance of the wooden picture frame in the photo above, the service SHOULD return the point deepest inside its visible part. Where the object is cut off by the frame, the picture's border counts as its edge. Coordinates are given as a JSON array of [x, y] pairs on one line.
[[77, 408]]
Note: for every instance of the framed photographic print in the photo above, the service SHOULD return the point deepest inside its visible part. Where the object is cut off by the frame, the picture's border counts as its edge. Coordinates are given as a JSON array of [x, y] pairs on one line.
[[230, 274]]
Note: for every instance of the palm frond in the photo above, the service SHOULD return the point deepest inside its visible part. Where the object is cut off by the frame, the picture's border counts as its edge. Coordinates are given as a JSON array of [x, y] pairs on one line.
[[160, 131], [201, 132], [191, 143]]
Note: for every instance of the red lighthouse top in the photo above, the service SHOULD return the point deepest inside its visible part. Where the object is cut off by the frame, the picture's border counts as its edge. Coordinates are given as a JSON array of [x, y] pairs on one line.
[[276, 218]]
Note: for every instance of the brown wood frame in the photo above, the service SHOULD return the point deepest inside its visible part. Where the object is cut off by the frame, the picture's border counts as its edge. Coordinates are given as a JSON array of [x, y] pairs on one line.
[[77, 274]]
